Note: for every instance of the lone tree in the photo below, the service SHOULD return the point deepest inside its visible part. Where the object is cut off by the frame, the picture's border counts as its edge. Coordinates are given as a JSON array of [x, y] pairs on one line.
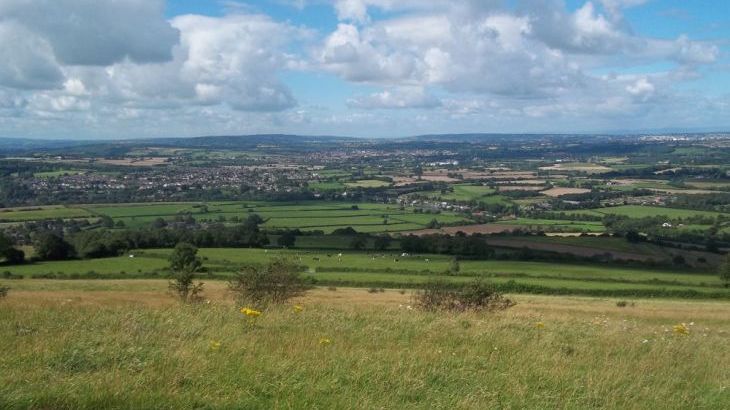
[[725, 271], [287, 239], [184, 262]]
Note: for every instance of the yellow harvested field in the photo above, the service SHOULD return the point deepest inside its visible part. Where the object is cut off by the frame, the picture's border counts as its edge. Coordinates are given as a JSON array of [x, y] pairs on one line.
[[556, 192]]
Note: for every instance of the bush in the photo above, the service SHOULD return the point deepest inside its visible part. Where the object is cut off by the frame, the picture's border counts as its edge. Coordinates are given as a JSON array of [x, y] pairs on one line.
[[3, 291], [622, 303], [275, 283], [477, 295]]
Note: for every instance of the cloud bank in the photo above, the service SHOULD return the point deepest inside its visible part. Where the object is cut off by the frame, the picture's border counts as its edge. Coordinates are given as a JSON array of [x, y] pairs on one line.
[[121, 68]]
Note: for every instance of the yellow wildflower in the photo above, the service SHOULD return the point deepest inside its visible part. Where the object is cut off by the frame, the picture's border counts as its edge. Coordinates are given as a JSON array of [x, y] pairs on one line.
[[539, 325], [250, 312], [681, 329], [298, 308], [215, 344], [325, 341]]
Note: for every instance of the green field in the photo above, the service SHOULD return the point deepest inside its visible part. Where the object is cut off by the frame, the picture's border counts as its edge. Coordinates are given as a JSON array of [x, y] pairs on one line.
[[307, 215], [41, 213], [556, 225], [326, 186], [638, 211], [391, 269], [467, 193], [53, 174]]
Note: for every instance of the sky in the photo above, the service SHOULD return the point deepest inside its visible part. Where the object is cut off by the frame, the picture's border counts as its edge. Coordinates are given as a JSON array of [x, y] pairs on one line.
[[122, 69]]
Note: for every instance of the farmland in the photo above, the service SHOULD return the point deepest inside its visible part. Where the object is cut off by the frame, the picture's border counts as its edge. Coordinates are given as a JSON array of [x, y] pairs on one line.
[[307, 216]]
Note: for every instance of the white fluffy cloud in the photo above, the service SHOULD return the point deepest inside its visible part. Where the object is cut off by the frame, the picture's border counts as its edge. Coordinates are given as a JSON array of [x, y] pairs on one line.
[[401, 97], [535, 62], [96, 32], [230, 60]]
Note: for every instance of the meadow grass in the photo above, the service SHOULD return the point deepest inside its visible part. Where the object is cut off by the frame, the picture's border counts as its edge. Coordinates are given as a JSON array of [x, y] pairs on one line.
[[127, 344]]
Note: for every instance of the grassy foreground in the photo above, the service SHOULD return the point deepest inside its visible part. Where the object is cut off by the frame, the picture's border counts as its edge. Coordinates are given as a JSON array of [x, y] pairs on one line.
[[126, 344]]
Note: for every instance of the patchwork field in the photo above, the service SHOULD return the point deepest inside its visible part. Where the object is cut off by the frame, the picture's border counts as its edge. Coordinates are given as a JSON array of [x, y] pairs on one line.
[[324, 216], [128, 344]]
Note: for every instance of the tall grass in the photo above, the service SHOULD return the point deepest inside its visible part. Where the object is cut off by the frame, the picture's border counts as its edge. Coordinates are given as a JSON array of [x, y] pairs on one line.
[[351, 349]]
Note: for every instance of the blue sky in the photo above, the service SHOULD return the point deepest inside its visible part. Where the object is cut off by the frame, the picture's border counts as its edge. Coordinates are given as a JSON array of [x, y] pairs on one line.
[[374, 68]]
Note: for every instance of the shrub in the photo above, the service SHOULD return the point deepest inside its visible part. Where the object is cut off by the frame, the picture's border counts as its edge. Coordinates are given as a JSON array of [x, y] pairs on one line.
[[622, 303], [275, 283], [454, 267], [3, 291], [477, 295], [725, 271]]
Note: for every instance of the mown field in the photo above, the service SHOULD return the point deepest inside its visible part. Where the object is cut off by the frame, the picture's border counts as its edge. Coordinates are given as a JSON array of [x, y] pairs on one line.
[[128, 344], [390, 269]]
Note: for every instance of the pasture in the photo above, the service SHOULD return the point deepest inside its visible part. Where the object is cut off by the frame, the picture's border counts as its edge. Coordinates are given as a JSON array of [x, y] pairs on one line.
[[128, 344], [463, 193], [350, 268], [638, 211]]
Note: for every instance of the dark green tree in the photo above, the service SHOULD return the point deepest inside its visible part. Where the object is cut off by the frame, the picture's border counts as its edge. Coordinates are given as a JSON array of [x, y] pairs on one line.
[[52, 247], [358, 243], [287, 239], [382, 242], [12, 255]]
